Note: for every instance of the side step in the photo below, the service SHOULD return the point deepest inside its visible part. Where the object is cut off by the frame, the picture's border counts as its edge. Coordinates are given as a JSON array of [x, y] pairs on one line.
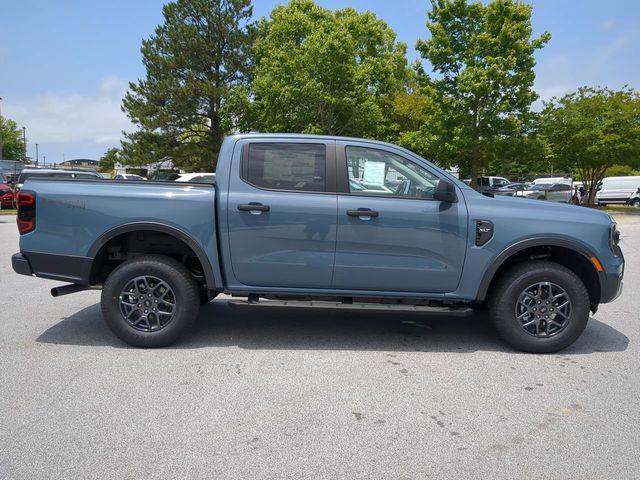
[[362, 306]]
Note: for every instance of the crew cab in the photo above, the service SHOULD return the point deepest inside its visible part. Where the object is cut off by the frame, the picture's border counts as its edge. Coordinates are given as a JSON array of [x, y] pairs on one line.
[[319, 221]]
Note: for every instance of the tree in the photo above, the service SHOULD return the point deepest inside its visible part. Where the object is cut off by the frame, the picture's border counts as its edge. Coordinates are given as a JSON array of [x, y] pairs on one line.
[[320, 71], [12, 141], [482, 57], [591, 130], [194, 61], [108, 160]]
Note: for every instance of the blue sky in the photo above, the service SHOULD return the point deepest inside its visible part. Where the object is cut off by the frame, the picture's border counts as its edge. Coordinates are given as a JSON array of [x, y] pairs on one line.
[[64, 65]]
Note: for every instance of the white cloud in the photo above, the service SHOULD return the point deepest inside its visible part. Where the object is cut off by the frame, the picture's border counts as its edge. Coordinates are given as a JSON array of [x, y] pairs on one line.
[[58, 118]]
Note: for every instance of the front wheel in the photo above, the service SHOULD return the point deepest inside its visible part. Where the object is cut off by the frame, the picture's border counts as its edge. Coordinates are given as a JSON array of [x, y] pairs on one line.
[[539, 307], [150, 301], [636, 203]]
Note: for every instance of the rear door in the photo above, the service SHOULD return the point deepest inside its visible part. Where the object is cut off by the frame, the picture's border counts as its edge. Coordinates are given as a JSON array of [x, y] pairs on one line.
[[282, 213], [392, 234]]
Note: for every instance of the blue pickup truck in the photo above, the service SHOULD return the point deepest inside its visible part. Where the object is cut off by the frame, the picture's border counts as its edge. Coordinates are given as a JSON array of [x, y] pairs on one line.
[[319, 221]]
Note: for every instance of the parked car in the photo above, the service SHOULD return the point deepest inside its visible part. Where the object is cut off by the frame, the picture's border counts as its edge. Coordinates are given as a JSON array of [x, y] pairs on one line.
[[284, 225], [634, 200], [510, 189], [617, 190], [6, 196], [554, 189], [53, 173], [129, 176], [200, 177], [485, 184]]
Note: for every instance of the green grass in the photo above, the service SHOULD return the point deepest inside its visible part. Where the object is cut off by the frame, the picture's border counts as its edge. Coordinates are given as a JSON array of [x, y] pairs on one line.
[[8, 212], [621, 209]]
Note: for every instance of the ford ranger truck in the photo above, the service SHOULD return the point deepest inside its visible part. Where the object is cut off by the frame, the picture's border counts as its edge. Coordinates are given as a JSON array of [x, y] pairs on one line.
[[319, 221]]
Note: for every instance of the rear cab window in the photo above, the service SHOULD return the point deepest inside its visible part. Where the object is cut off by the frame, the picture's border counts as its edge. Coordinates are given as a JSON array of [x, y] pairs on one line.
[[286, 166]]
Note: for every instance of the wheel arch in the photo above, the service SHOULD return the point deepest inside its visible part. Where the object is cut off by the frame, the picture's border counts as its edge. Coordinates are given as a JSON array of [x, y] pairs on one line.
[[172, 231], [568, 252]]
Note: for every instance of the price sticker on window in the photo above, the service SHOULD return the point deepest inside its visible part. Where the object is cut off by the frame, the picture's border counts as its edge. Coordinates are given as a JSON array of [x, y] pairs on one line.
[[374, 173]]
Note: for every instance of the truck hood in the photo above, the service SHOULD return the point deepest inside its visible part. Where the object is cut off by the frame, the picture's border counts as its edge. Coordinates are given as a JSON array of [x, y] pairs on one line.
[[524, 208]]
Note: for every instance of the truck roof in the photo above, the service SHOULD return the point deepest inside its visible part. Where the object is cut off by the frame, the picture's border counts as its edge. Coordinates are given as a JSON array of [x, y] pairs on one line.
[[240, 136]]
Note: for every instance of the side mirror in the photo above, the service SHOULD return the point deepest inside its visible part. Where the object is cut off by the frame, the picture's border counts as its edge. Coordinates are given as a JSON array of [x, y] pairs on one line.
[[445, 192]]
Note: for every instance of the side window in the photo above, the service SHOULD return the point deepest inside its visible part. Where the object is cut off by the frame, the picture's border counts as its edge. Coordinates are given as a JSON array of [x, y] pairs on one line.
[[376, 172], [483, 182], [286, 166]]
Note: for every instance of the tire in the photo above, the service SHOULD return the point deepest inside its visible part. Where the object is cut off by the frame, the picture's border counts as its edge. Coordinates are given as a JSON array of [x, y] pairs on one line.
[[636, 203], [169, 282], [541, 197], [505, 306]]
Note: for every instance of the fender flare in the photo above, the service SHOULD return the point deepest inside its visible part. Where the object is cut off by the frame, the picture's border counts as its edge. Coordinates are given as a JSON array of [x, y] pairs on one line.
[[162, 228], [512, 249]]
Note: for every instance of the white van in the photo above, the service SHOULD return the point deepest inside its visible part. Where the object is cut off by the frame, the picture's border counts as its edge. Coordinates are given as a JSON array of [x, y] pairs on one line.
[[617, 189], [562, 180]]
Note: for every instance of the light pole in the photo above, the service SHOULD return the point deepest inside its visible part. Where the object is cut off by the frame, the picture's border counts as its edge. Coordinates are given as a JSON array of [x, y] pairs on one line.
[[0, 130], [36, 154], [24, 142]]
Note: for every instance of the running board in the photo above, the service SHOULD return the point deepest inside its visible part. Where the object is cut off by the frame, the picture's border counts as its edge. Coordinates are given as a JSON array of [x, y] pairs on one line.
[[363, 306]]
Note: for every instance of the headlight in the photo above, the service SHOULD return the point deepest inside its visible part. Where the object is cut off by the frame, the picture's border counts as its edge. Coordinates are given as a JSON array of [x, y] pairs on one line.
[[614, 238]]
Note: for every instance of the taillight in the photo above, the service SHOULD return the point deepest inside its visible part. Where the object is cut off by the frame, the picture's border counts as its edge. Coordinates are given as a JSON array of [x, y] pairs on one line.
[[26, 212]]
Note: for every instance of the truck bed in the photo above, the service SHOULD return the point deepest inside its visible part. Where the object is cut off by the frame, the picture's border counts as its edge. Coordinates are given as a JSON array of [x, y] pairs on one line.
[[76, 217]]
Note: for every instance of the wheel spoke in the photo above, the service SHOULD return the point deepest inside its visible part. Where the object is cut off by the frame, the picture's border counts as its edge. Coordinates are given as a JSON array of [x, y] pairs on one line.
[[155, 303], [543, 309]]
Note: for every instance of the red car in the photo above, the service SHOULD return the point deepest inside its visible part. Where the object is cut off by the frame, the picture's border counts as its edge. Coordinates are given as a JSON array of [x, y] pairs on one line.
[[6, 196]]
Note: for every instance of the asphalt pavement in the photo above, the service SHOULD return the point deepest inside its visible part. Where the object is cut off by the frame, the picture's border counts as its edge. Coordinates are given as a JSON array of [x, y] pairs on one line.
[[295, 393]]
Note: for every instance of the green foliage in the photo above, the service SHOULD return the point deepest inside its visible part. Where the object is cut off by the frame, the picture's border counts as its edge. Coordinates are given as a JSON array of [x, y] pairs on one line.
[[195, 61], [593, 129], [621, 171], [482, 57], [12, 143], [108, 160], [320, 71]]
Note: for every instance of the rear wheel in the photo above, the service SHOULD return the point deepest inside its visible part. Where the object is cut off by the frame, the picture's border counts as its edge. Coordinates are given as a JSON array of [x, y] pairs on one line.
[[539, 307], [150, 301]]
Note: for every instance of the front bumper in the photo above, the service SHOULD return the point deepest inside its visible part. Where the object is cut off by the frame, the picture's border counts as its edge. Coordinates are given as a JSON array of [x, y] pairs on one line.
[[20, 264], [611, 285]]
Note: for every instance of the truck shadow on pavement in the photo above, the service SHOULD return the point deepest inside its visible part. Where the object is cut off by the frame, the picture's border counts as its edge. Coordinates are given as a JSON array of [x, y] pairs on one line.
[[248, 327]]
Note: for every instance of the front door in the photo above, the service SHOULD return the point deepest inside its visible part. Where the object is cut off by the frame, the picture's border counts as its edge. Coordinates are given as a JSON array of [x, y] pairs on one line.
[[282, 213], [392, 234]]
